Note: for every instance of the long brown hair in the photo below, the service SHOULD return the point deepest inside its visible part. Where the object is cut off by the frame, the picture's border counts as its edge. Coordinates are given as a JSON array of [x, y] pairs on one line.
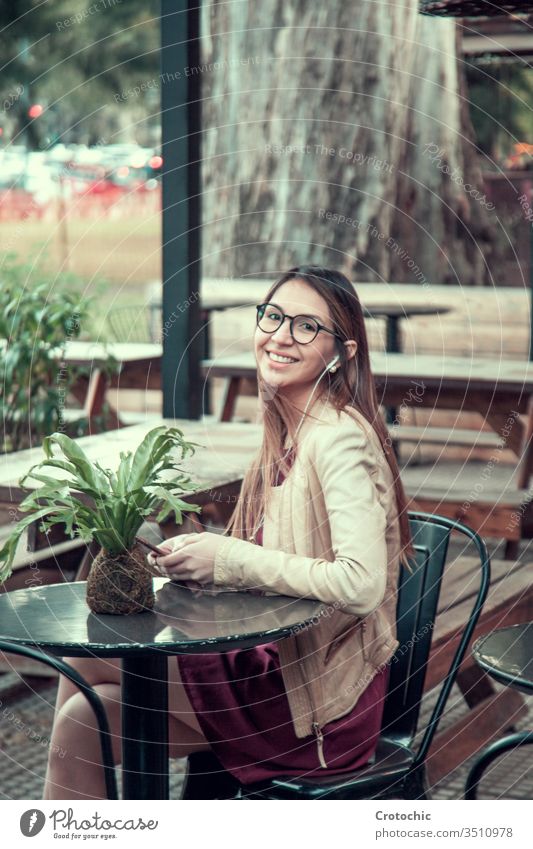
[[352, 385]]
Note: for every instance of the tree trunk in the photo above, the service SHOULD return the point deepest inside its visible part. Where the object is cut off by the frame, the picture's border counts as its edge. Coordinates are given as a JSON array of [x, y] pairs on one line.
[[322, 125]]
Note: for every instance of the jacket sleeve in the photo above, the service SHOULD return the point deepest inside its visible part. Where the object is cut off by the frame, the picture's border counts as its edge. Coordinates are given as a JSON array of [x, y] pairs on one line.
[[355, 580]]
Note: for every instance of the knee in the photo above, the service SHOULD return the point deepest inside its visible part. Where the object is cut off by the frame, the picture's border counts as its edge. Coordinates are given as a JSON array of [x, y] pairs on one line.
[[76, 728], [73, 723]]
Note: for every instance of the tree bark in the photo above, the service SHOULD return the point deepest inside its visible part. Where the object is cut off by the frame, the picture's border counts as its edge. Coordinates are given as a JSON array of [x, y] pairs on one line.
[[318, 120]]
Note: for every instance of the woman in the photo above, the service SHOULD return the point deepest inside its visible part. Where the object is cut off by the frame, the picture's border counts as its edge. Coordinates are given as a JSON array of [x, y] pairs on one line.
[[321, 514]]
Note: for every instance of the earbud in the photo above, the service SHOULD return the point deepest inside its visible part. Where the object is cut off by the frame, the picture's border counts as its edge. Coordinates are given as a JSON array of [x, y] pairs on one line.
[[332, 365]]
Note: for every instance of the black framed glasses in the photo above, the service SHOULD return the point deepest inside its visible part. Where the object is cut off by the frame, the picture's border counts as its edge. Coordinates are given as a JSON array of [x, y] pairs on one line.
[[304, 328]]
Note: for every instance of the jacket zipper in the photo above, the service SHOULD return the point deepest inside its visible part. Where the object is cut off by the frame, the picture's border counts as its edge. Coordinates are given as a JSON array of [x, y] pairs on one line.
[[315, 726], [320, 744]]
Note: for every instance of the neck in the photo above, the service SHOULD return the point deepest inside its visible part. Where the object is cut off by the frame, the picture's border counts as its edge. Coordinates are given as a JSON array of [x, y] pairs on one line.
[[297, 408]]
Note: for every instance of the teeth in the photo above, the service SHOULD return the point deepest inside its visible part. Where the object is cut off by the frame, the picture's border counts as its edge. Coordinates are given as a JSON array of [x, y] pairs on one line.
[[278, 359]]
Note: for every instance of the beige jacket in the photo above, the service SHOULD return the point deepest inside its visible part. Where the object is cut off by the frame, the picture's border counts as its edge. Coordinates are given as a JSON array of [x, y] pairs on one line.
[[331, 533]]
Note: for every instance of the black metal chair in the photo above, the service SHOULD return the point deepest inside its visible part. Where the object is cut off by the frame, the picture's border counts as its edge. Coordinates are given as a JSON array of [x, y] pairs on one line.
[[398, 769], [91, 696], [137, 323]]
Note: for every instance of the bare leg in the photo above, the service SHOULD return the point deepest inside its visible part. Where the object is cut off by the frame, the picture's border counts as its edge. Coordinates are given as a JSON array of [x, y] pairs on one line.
[[74, 769]]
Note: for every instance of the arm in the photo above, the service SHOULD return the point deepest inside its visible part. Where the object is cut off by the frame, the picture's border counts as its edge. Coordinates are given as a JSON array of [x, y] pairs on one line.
[[343, 463]]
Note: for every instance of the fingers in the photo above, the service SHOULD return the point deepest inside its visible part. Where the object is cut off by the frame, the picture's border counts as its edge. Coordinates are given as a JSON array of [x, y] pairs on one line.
[[173, 559], [174, 564], [170, 546], [152, 561], [181, 563]]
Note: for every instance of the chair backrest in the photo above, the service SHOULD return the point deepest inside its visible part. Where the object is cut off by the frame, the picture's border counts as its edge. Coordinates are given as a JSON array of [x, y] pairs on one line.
[[418, 596], [138, 323]]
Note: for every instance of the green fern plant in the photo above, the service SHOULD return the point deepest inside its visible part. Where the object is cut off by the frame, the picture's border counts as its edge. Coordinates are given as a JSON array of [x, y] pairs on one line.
[[39, 314], [108, 506]]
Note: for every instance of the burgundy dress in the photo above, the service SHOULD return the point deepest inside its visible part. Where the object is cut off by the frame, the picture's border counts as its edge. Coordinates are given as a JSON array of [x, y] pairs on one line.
[[240, 702]]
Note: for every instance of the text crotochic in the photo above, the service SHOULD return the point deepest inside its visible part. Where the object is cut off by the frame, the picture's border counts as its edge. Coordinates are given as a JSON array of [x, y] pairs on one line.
[[403, 815]]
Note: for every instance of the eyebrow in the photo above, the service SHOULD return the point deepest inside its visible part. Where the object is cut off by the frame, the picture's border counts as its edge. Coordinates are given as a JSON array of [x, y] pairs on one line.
[[305, 314]]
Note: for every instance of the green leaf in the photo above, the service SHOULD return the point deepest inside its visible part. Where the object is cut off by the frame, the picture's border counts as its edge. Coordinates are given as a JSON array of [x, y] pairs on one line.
[[123, 473], [146, 457], [110, 540], [7, 552], [173, 504], [85, 470]]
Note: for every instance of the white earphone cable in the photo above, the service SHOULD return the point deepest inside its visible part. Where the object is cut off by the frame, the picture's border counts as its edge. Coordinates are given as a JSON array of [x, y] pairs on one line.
[[319, 378]]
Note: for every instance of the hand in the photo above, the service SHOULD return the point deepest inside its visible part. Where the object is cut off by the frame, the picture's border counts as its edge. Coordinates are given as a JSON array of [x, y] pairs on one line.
[[191, 557]]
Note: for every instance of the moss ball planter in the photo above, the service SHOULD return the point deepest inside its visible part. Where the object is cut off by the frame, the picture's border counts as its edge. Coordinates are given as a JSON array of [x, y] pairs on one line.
[[108, 507]]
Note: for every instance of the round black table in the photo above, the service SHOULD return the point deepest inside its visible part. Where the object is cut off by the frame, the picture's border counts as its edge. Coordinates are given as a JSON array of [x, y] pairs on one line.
[[56, 619], [507, 656]]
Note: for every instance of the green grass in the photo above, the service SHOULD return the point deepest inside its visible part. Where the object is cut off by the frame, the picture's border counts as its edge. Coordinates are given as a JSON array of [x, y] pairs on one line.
[[125, 253]]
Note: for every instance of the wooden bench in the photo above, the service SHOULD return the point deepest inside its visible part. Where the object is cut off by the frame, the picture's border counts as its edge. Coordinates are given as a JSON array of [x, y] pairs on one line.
[[492, 712], [485, 497], [445, 436]]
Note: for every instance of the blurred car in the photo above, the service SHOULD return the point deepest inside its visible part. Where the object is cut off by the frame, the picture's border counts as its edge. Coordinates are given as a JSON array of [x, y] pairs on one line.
[[30, 181]]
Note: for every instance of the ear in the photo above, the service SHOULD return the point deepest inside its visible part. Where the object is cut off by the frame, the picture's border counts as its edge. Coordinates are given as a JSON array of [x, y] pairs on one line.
[[351, 348]]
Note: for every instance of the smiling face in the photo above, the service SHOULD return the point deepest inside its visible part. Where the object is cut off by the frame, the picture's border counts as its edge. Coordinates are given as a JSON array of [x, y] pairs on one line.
[[284, 364]]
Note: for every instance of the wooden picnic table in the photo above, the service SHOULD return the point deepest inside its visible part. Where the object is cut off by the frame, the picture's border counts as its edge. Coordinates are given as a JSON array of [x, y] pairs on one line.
[[500, 391], [390, 301], [393, 303], [493, 388], [217, 467], [138, 364]]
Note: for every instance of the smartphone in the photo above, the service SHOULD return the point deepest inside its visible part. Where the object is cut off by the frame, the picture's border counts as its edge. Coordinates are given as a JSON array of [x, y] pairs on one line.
[[152, 547]]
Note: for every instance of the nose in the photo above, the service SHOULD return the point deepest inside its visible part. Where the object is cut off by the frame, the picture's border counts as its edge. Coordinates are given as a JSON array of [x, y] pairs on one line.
[[283, 333]]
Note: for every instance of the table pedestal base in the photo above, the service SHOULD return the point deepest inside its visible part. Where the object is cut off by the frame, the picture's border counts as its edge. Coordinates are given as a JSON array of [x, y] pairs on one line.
[[145, 718]]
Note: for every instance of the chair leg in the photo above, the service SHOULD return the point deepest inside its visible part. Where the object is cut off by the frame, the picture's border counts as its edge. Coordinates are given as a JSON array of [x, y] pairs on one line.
[[512, 548], [206, 778], [93, 548], [415, 785]]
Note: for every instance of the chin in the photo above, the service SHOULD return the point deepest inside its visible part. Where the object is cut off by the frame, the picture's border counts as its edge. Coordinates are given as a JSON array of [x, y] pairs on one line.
[[272, 379]]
